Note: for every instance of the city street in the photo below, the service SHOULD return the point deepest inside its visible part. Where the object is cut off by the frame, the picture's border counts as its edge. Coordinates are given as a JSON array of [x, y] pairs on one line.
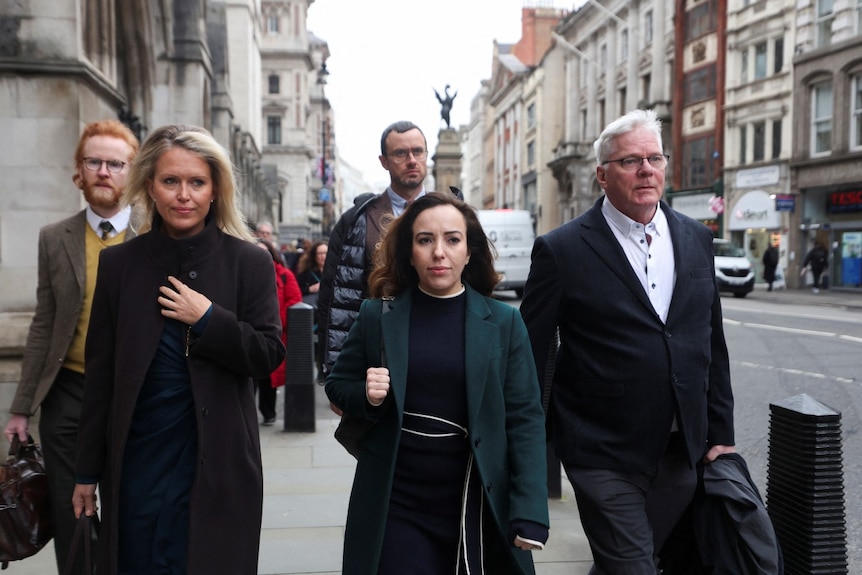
[[780, 350]]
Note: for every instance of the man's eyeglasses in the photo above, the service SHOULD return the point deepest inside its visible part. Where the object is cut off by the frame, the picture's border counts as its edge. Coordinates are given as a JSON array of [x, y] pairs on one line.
[[398, 156], [633, 163], [95, 164]]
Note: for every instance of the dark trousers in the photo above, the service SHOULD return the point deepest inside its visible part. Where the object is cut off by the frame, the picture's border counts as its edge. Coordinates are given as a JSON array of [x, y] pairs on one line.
[[266, 398], [58, 432], [627, 517]]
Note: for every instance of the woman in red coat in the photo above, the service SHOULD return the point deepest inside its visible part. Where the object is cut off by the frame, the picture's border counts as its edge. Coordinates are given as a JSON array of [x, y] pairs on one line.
[[184, 318], [288, 294]]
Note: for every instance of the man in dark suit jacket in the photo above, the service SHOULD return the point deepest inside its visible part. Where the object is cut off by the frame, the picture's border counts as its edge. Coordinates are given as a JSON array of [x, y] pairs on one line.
[[641, 389], [52, 371]]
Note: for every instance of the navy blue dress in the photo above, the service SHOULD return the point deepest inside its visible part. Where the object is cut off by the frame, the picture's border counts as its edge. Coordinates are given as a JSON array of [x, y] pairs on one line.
[[434, 511], [159, 466]]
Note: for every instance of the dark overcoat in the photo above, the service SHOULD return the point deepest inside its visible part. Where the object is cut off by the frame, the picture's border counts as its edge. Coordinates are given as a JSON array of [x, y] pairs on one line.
[[622, 374], [505, 425], [241, 341]]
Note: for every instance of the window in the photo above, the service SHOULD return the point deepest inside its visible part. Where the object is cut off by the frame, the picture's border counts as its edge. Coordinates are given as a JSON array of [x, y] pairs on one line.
[[759, 141], [743, 144], [760, 61], [776, 139], [823, 22], [273, 130], [697, 162], [821, 118], [624, 44], [779, 55], [856, 111], [646, 88], [648, 28], [859, 16], [700, 85], [272, 23], [700, 20], [273, 84], [531, 116], [603, 57], [623, 94], [531, 153], [600, 105], [743, 66]]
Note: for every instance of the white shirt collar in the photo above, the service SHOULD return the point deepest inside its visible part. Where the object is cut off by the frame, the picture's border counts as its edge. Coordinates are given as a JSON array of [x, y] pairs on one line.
[[120, 220]]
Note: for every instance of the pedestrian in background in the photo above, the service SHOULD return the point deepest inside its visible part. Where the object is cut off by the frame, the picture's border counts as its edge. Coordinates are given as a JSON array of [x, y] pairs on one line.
[[816, 260], [404, 154], [288, 294], [770, 265], [452, 477], [184, 317], [68, 257], [641, 386], [310, 271]]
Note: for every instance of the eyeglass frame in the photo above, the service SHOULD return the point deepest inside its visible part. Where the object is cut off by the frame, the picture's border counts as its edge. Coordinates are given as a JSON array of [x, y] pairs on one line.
[[418, 155], [635, 167], [111, 165]]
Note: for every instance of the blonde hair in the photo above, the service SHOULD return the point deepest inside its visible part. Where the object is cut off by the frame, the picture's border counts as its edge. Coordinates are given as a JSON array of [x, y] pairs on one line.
[[225, 209]]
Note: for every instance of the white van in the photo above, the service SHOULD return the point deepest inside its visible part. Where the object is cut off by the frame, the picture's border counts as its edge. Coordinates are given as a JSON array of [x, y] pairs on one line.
[[511, 232]]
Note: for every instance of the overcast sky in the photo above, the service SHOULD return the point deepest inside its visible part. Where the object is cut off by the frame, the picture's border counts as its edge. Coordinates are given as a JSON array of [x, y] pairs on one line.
[[388, 56]]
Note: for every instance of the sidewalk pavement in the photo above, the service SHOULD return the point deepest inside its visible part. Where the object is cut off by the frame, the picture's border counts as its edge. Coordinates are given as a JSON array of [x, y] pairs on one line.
[[307, 479], [850, 300]]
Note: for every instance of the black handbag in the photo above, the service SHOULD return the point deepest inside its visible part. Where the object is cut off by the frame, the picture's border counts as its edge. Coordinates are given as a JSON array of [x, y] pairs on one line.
[[25, 506], [86, 534], [352, 429]]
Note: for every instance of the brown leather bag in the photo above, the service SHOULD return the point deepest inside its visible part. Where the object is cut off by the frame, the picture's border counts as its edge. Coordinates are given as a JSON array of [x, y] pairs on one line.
[[25, 509]]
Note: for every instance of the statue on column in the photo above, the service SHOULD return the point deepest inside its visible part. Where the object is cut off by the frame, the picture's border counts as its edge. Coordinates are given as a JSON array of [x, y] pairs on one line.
[[445, 103]]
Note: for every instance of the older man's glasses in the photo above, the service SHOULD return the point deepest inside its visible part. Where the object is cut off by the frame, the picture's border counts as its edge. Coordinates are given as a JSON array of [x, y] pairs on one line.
[[399, 156], [633, 163], [95, 164]]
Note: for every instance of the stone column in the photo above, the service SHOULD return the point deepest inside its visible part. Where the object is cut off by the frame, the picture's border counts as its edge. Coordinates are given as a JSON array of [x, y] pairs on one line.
[[447, 160]]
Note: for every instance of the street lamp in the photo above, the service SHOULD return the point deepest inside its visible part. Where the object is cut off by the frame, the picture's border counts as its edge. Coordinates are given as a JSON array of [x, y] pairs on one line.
[[323, 195]]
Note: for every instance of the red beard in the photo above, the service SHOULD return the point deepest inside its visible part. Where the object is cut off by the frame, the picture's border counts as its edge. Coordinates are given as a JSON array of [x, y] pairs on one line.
[[101, 197]]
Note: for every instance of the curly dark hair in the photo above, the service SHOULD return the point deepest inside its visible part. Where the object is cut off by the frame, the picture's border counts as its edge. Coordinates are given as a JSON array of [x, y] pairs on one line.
[[393, 273]]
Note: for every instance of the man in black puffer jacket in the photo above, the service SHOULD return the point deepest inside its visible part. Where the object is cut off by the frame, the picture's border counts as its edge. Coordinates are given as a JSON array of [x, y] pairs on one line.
[[344, 285]]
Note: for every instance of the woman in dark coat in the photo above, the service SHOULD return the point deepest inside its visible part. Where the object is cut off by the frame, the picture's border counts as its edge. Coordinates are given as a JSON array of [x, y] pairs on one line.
[[452, 477], [184, 317], [309, 271]]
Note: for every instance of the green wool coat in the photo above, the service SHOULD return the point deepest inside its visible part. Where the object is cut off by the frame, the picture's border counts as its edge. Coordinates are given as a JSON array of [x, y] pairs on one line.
[[506, 425]]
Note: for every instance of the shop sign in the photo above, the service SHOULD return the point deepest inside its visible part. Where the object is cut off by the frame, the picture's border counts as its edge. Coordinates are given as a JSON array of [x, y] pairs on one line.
[[845, 201], [754, 210], [758, 177], [695, 206], [785, 203]]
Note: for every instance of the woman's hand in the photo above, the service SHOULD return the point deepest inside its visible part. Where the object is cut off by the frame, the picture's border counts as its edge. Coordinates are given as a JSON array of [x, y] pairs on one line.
[[182, 302], [376, 385], [314, 288], [84, 499]]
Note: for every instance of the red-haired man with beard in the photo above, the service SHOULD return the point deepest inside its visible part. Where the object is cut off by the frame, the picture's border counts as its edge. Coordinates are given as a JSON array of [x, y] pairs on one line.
[[52, 371]]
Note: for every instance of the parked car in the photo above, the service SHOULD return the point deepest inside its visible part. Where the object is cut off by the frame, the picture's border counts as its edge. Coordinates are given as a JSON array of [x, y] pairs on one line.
[[733, 271], [511, 232]]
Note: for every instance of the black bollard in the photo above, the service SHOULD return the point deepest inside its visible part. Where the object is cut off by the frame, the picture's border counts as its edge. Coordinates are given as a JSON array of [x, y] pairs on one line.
[[299, 380], [805, 486]]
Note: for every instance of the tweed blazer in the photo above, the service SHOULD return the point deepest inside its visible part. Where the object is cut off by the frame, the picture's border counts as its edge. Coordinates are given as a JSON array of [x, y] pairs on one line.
[[621, 374], [59, 298]]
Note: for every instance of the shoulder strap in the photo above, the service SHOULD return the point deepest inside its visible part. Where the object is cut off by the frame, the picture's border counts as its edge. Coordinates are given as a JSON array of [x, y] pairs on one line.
[[384, 308]]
